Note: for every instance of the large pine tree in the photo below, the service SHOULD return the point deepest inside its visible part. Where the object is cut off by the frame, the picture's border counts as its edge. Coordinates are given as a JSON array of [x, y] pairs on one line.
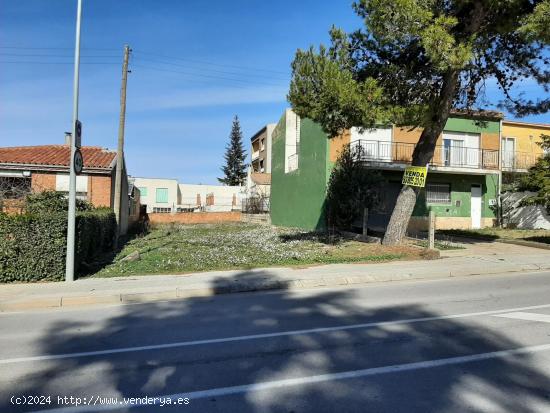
[[416, 60], [234, 169]]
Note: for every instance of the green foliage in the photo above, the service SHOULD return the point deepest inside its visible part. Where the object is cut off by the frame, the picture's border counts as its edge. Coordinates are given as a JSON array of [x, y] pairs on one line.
[[415, 59], [51, 202], [96, 232], [536, 26], [351, 188], [234, 169], [538, 179], [324, 89], [33, 246]]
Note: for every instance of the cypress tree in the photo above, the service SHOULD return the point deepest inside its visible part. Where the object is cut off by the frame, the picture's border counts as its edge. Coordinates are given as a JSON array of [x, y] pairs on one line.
[[234, 169]]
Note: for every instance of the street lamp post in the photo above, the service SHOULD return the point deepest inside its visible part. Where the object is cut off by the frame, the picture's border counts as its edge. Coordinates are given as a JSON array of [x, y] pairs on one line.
[[69, 265]]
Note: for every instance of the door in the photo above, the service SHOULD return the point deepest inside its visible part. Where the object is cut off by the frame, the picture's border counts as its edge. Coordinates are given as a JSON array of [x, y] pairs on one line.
[[508, 152], [461, 149], [476, 206]]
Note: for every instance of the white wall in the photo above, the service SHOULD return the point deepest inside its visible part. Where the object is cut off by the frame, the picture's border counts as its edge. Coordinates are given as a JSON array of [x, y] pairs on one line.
[[292, 136], [62, 183], [152, 184], [223, 195], [375, 143], [269, 129]]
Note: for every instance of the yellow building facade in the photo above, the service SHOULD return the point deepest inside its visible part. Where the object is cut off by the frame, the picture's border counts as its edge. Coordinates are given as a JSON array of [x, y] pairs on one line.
[[520, 144]]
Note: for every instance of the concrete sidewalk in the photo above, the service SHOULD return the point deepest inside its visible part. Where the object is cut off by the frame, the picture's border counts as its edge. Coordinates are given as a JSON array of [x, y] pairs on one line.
[[477, 258]]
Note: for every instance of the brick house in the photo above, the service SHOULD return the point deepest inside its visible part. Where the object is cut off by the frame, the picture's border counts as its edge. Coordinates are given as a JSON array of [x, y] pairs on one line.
[[26, 169]]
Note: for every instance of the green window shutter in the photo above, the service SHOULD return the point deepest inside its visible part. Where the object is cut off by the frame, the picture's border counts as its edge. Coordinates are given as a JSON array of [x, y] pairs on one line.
[[143, 190], [162, 195]]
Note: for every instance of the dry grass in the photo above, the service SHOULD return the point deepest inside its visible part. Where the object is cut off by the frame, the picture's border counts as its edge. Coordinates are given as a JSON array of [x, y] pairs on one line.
[[193, 248]]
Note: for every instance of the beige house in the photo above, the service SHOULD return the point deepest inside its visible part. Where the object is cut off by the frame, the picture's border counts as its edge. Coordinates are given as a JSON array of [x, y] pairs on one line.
[[168, 196]]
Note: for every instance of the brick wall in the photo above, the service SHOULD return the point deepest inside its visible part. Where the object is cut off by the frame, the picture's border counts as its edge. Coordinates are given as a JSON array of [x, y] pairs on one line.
[[195, 217], [99, 190], [41, 182]]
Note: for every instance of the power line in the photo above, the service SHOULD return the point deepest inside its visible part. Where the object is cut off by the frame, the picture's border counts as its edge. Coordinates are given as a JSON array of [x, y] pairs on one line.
[[212, 70], [206, 75], [51, 55], [59, 63], [55, 48], [185, 59]]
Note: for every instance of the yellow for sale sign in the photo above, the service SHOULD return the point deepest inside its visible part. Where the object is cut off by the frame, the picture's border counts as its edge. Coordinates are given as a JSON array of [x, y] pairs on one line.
[[415, 176]]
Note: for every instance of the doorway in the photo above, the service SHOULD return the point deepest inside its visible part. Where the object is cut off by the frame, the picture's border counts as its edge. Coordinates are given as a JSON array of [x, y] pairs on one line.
[[476, 206]]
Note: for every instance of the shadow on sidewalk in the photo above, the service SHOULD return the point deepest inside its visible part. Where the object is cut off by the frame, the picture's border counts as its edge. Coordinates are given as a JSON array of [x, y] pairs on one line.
[[511, 384]]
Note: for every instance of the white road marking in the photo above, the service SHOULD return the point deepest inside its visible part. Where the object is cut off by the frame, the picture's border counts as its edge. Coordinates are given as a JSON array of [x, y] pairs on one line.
[[299, 381], [261, 336], [543, 318]]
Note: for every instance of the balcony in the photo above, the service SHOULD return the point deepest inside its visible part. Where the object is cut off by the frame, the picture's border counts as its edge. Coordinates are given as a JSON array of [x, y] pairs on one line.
[[255, 155], [445, 156], [518, 161], [292, 162]]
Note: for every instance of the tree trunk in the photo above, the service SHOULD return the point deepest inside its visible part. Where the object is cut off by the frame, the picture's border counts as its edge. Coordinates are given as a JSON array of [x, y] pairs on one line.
[[423, 153]]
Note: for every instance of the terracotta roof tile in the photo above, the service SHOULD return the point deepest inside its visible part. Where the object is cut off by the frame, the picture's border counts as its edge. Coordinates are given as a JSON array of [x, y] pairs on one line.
[[56, 155]]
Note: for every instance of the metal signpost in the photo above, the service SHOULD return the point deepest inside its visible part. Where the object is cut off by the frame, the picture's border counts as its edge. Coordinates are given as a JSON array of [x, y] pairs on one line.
[[75, 158]]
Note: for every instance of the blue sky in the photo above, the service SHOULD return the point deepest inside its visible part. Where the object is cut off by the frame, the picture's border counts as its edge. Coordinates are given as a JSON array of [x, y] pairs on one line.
[[195, 64]]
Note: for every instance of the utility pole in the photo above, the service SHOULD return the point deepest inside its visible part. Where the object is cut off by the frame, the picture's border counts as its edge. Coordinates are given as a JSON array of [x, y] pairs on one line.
[[71, 215], [120, 150]]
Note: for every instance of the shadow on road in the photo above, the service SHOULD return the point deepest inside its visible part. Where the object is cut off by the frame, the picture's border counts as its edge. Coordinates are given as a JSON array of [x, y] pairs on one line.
[[498, 385]]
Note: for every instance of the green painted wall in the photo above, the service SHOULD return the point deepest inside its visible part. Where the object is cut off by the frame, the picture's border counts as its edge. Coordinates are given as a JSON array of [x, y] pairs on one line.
[[298, 197], [469, 125], [461, 187]]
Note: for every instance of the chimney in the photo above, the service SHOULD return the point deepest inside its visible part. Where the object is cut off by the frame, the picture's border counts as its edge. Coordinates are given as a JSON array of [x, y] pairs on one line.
[[68, 138]]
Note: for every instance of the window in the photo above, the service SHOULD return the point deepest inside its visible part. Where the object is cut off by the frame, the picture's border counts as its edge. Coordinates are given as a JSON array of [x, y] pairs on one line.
[[14, 187], [162, 210], [143, 190], [438, 193], [162, 195]]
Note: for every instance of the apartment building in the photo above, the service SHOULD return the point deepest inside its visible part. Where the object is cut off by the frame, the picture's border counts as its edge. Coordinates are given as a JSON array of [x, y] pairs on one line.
[[260, 153], [463, 179]]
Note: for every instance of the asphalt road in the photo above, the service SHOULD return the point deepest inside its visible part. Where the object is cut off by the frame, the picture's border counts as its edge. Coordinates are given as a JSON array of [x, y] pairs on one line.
[[476, 344]]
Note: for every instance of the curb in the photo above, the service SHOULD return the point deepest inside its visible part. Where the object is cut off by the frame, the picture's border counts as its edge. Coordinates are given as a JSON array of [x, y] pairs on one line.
[[179, 293], [525, 243]]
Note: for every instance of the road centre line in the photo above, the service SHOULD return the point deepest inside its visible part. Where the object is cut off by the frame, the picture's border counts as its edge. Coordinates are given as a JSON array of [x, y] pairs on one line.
[[262, 336], [519, 315], [354, 374]]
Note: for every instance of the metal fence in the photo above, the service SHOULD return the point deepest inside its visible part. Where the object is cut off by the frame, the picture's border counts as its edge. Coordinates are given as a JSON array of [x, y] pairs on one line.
[[255, 205], [444, 155]]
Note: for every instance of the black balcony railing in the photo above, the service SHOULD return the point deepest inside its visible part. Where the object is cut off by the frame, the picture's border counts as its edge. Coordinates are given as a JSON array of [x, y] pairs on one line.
[[444, 156]]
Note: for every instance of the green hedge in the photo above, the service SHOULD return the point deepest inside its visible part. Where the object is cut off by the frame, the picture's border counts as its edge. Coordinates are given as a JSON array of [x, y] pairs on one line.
[[33, 246]]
